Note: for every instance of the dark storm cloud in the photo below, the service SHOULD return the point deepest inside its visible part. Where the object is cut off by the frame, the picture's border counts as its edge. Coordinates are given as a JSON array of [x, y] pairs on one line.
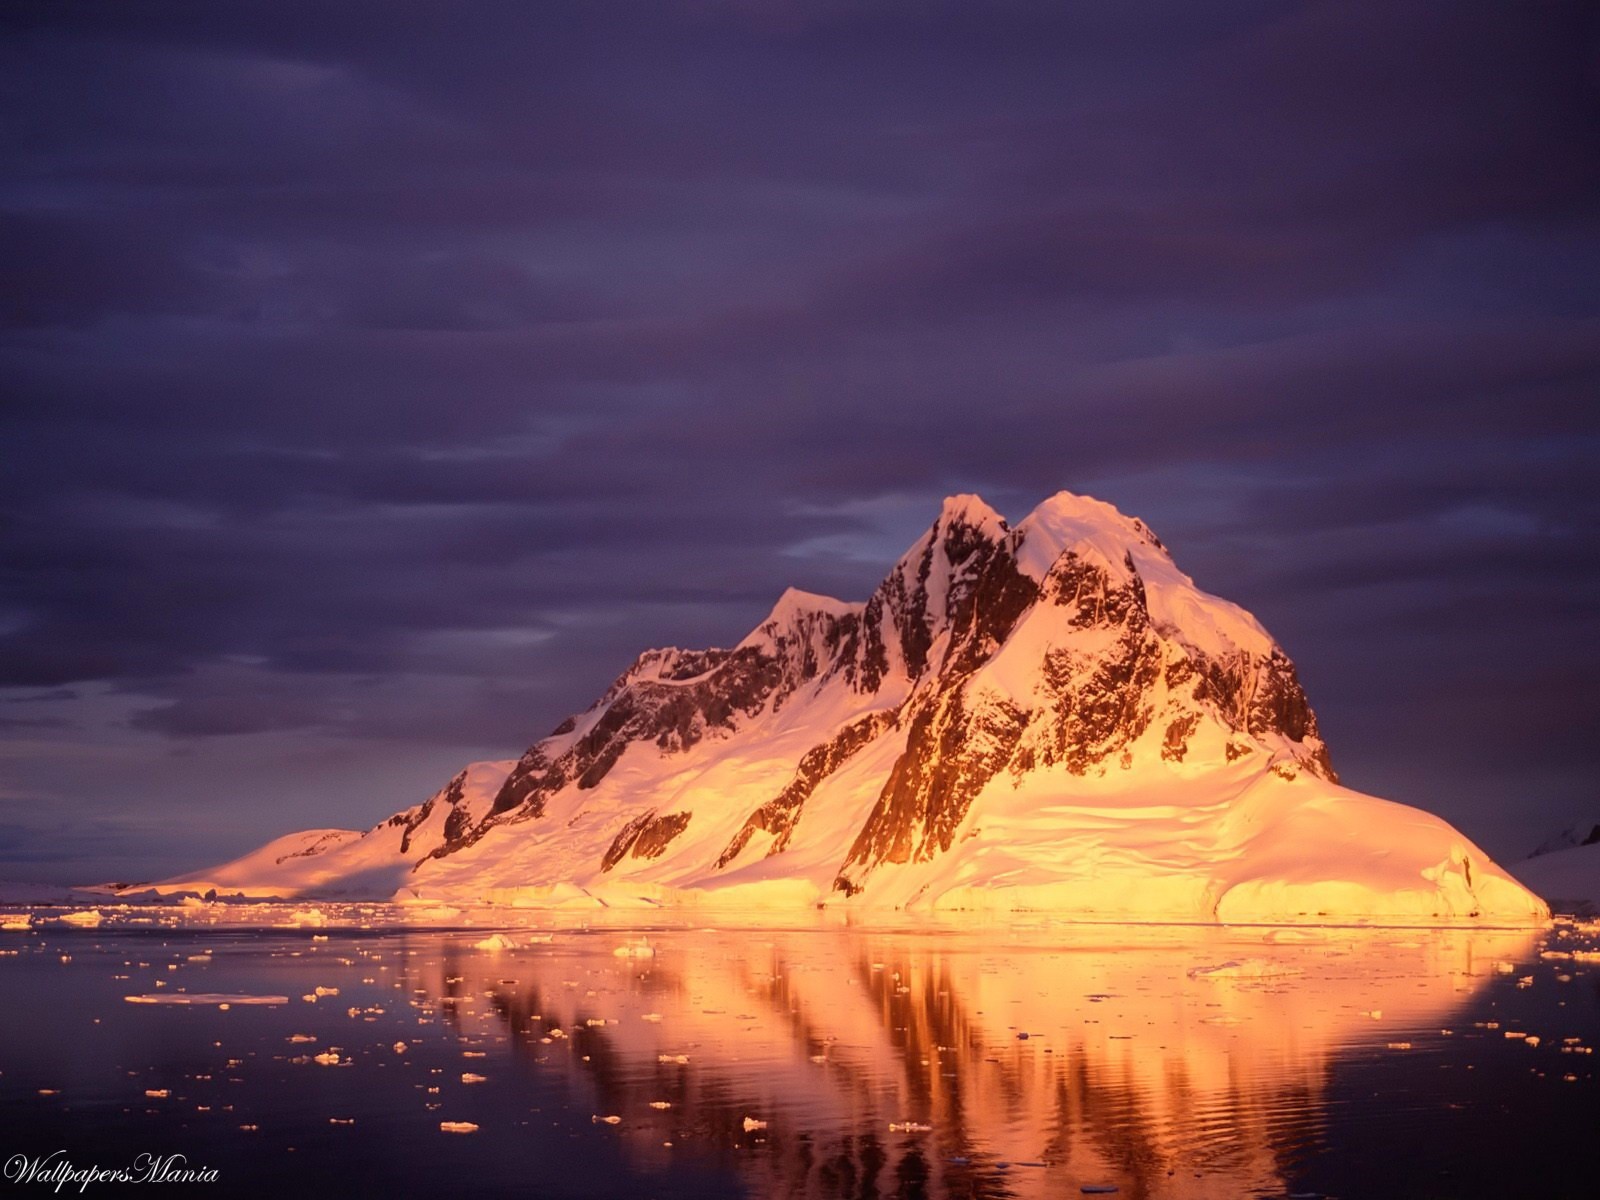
[[393, 373]]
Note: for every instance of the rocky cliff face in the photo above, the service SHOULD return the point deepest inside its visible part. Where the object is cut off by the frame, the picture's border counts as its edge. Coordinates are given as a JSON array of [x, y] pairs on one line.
[[996, 682]]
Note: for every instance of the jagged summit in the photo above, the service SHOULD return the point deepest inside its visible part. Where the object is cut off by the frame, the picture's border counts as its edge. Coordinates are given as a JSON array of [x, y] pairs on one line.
[[795, 612], [1046, 715], [971, 510]]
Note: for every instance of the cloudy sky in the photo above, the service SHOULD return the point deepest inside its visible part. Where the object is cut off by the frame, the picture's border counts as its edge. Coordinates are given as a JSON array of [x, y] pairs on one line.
[[376, 379]]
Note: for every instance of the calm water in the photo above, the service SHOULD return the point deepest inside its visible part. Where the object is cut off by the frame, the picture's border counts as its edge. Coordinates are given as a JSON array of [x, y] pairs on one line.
[[993, 1060]]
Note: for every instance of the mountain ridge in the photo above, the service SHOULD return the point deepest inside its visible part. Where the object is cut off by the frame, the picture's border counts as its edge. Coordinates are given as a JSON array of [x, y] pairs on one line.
[[1049, 714]]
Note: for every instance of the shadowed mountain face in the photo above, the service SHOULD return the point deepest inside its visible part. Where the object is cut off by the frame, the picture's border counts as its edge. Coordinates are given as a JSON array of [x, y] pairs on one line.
[[1025, 708]]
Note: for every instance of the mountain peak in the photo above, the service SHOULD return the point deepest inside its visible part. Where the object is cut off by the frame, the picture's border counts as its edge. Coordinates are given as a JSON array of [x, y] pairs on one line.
[[793, 608], [799, 600], [1067, 521], [967, 508]]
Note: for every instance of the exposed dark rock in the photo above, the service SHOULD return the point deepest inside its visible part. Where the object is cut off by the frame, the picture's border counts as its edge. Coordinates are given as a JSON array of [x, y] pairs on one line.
[[778, 815], [646, 836], [869, 656], [451, 794], [1086, 588], [658, 834], [1279, 705], [623, 842], [985, 613], [1176, 743], [950, 754], [675, 716], [1100, 712], [1262, 698]]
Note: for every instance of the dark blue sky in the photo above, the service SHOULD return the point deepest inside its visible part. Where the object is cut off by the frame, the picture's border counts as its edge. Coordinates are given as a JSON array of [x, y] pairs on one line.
[[379, 378]]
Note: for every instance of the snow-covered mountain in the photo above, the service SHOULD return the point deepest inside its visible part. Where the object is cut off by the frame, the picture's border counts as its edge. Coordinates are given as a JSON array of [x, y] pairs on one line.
[[1048, 716], [1568, 879], [1586, 834], [1565, 869]]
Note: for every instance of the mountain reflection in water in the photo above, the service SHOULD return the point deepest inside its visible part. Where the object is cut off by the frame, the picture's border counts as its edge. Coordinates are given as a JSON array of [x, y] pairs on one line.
[[994, 1058], [1038, 1060]]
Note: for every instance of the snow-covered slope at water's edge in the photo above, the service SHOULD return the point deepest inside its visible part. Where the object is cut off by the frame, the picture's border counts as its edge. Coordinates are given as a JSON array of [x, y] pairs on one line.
[[348, 862], [1568, 879], [1046, 716]]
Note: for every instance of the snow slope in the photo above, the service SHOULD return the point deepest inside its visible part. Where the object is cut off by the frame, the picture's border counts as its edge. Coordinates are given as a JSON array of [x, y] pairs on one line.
[[1047, 716], [348, 862], [1568, 879]]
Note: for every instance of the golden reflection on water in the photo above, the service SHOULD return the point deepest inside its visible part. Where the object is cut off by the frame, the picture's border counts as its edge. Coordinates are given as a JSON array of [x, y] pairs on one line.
[[1138, 1067]]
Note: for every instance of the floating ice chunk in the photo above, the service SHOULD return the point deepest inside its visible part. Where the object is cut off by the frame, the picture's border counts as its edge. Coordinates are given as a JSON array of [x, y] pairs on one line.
[[1505, 968], [751, 1124], [15, 923], [157, 1093], [86, 918], [1245, 968], [612, 1120], [308, 918], [326, 991], [400, 1047], [495, 942], [661, 1104], [640, 948], [457, 1127], [651, 1017], [469, 1077], [909, 1127], [196, 998], [679, 1059], [330, 1058]]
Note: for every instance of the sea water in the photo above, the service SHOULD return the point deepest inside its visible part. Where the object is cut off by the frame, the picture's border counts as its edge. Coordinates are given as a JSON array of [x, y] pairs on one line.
[[349, 1051]]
